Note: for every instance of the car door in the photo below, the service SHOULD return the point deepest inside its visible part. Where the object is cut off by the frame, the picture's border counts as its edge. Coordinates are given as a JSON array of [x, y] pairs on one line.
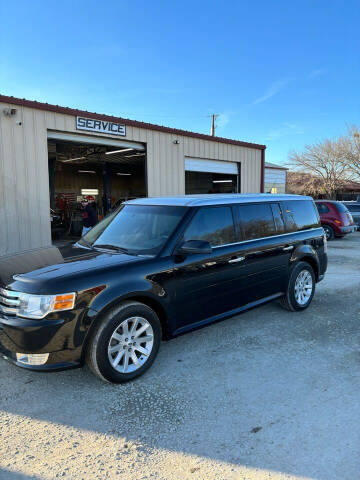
[[207, 285], [265, 249]]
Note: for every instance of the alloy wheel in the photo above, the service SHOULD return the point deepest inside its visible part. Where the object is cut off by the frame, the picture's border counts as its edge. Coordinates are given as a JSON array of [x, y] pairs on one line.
[[303, 287], [130, 344]]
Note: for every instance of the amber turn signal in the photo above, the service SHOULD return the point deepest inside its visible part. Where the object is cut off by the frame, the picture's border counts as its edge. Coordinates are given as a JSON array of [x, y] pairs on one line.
[[64, 302]]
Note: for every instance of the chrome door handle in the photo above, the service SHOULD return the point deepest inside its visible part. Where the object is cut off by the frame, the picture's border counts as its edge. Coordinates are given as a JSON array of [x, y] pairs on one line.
[[237, 259], [290, 247]]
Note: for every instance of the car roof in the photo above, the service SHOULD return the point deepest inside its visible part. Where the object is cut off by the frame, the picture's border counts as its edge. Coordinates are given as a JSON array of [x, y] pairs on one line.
[[214, 199]]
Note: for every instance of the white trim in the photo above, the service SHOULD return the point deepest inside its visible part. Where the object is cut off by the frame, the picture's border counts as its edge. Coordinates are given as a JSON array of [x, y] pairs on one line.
[[92, 139]]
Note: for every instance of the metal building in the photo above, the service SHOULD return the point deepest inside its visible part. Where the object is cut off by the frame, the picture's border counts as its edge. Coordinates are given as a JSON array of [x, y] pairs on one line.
[[275, 178], [50, 153]]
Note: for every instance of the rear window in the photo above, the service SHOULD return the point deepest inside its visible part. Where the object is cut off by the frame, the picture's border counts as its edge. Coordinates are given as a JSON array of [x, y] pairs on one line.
[[256, 220], [341, 207], [300, 215], [214, 225]]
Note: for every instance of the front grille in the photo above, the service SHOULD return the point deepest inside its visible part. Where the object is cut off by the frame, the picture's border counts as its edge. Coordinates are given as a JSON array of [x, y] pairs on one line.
[[9, 302]]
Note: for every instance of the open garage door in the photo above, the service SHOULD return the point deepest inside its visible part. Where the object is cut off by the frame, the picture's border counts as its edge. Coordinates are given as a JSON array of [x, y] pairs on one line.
[[89, 140], [211, 176], [105, 171]]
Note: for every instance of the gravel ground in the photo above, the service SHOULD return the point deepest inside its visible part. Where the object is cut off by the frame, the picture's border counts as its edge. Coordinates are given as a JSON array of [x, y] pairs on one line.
[[266, 395]]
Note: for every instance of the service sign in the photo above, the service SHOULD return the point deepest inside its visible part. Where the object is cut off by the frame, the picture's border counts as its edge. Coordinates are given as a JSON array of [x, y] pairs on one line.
[[102, 126]]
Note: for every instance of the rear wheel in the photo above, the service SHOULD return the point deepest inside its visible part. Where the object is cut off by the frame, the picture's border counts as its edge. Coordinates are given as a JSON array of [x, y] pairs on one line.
[[329, 232], [300, 289], [125, 343]]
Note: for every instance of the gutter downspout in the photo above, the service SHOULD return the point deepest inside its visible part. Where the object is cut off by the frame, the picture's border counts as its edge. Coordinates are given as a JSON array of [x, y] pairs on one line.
[[262, 174]]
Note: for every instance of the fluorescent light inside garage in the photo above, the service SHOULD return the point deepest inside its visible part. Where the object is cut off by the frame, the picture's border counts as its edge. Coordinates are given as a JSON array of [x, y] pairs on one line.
[[123, 173], [222, 181], [120, 151], [86, 171], [89, 191], [73, 159]]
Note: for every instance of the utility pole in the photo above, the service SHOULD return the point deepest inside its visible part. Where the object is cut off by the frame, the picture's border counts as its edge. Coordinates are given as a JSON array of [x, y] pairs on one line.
[[213, 126]]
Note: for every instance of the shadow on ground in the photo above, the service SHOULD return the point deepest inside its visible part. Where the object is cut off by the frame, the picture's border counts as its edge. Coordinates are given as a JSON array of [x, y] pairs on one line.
[[268, 391]]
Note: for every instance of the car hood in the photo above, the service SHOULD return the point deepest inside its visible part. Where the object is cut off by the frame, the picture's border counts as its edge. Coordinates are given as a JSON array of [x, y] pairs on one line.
[[47, 264]]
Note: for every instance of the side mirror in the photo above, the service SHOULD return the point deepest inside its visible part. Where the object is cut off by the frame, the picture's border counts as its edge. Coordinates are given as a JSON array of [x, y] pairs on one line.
[[194, 246]]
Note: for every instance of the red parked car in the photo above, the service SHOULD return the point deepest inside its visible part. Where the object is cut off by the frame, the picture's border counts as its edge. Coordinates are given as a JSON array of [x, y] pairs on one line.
[[336, 219]]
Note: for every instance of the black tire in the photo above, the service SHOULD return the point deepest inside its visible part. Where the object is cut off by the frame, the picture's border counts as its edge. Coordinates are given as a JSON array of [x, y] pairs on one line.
[[329, 232], [289, 301], [97, 351]]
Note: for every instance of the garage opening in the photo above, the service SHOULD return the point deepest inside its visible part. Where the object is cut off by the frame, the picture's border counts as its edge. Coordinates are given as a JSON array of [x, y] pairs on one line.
[[211, 176], [103, 171]]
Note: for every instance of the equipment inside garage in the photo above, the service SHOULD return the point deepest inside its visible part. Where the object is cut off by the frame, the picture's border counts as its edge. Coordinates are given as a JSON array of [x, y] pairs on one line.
[[80, 167], [211, 176]]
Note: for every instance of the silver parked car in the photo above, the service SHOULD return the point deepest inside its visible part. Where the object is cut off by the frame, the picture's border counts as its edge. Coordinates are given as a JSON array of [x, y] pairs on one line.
[[354, 209]]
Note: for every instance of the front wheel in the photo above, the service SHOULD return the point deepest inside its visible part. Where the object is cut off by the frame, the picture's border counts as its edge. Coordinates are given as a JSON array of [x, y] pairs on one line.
[[329, 232], [125, 343], [300, 289]]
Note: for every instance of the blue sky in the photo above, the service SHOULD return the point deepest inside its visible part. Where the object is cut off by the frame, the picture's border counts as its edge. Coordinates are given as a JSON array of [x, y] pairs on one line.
[[283, 73]]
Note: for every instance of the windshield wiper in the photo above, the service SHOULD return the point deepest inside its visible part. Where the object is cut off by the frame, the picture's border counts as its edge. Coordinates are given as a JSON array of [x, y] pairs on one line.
[[84, 243], [108, 246]]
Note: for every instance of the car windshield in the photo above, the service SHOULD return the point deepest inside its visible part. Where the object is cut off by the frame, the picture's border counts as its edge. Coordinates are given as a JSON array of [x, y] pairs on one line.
[[135, 229]]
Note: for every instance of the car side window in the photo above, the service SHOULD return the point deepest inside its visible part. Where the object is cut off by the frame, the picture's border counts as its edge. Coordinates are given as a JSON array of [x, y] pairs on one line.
[[300, 215], [322, 208], [212, 224], [256, 221], [278, 219]]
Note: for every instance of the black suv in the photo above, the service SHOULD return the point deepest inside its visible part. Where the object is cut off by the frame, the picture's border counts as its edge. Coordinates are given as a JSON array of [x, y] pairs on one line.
[[153, 269]]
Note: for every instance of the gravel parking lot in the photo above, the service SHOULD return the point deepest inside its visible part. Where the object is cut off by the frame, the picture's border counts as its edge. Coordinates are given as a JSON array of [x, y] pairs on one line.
[[267, 394]]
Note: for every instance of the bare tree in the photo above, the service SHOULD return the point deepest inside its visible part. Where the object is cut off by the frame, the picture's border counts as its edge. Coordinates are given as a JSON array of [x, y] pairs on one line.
[[302, 183], [351, 151], [325, 162]]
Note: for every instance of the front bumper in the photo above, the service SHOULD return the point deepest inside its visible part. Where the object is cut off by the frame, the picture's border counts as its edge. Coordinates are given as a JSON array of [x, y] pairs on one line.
[[56, 336]]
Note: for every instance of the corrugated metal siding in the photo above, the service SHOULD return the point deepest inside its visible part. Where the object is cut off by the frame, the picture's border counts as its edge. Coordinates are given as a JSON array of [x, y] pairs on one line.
[[277, 176], [24, 184], [24, 181], [275, 179]]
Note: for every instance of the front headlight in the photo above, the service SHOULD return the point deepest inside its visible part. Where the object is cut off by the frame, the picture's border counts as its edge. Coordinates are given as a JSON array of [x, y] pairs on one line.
[[38, 306]]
